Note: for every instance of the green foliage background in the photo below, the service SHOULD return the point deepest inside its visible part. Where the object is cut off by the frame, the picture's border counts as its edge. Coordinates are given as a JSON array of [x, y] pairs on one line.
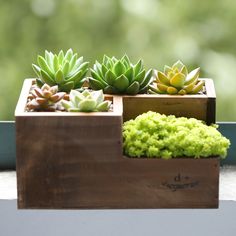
[[201, 33]]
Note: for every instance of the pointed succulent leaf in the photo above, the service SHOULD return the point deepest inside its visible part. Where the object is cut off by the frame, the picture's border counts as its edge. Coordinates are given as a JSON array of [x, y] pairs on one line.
[[184, 70], [140, 77], [172, 90], [138, 67], [189, 88], [162, 87], [46, 78], [178, 80], [75, 77], [55, 63], [57, 97], [67, 86], [65, 68], [36, 69], [39, 82], [110, 90], [76, 97], [44, 66], [144, 89], [79, 83], [182, 92], [178, 65], [60, 57], [38, 92], [163, 78], [68, 55], [98, 96], [105, 59], [129, 74], [167, 69], [193, 75], [95, 84], [87, 105], [110, 77], [97, 77], [155, 89], [59, 77], [148, 79], [104, 106], [78, 62], [121, 83], [104, 71], [119, 68], [133, 88], [66, 104], [72, 61], [198, 87]]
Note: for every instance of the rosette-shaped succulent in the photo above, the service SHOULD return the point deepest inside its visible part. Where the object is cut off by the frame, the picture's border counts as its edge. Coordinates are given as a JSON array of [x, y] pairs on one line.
[[67, 71], [86, 101], [45, 98], [115, 76], [177, 80]]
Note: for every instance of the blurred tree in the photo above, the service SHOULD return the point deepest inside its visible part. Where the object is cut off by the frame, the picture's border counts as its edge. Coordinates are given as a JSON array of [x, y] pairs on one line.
[[201, 33]]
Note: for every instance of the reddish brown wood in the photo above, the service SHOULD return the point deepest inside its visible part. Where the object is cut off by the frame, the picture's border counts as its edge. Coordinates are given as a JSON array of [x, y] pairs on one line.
[[74, 160], [201, 107]]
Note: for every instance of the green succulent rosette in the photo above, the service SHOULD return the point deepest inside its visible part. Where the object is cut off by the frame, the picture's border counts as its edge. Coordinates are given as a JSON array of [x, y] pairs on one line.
[[120, 76]]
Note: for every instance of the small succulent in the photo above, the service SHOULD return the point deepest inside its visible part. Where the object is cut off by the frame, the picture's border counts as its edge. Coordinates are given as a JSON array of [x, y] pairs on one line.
[[120, 76], [86, 101], [177, 80], [67, 71], [45, 98]]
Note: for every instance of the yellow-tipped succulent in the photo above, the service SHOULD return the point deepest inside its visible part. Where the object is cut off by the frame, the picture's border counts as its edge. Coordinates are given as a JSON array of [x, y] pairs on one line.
[[177, 80]]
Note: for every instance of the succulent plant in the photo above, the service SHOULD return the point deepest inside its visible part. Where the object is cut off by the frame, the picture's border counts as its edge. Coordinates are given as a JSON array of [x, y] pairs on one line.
[[86, 101], [120, 76], [177, 80], [67, 71], [45, 98], [154, 135]]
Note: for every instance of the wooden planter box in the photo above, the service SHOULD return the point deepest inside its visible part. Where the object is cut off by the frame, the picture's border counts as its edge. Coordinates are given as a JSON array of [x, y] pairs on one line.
[[202, 107], [74, 160]]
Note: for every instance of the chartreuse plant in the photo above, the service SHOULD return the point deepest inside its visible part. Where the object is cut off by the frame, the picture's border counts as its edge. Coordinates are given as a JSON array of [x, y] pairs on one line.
[[154, 135], [45, 98], [120, 76], [86, 101], [67, 71], [177, 80]]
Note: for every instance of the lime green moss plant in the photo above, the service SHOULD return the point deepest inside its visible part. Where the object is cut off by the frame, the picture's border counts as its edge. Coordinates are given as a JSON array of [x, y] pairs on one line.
[[154, 135]]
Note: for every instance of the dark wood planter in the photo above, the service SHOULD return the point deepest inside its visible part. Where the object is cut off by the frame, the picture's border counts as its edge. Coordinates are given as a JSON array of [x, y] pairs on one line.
[[201, 107], [75, 161]]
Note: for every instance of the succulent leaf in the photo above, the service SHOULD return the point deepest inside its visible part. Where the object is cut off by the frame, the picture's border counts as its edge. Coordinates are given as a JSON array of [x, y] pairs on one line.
[[172, 90], [178, 80], [133, 88], [121, 83]]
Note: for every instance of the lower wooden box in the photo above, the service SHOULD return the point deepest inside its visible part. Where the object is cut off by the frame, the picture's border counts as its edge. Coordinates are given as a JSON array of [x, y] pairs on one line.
[[73, 182]]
